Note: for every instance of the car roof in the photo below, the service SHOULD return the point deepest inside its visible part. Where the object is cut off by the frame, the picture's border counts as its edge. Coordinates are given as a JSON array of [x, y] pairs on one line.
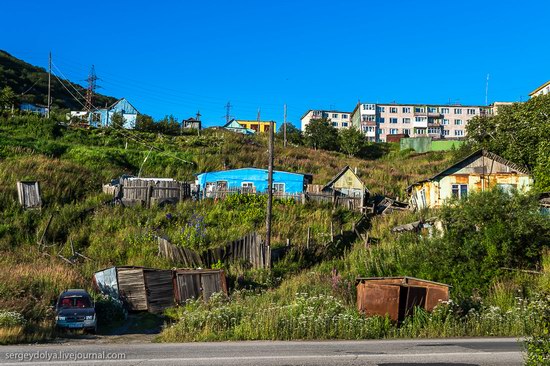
[[75, 292]]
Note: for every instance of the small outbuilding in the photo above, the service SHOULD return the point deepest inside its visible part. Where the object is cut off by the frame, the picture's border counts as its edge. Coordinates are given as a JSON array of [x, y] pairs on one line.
[[346, 183], [397, 297], [198, 283]]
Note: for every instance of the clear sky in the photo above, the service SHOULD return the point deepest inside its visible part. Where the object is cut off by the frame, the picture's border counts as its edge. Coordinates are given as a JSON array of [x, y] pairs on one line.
[[177, 57]]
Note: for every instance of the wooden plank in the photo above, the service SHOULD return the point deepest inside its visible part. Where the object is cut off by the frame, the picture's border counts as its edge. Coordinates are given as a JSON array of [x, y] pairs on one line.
[[131, 286]]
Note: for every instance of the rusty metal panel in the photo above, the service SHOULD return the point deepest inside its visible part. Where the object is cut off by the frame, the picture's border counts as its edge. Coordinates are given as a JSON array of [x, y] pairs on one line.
[[435, 295], [377, 299]]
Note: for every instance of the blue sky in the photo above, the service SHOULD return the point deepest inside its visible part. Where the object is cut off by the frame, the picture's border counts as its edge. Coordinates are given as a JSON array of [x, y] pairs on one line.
[[177, 57]]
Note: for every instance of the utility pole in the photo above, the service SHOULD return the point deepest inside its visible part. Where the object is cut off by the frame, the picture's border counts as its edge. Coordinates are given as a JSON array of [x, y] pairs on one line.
[[269, 186], [486, 89], [49, 85], [284, 128], [259, 113], [198, 123]]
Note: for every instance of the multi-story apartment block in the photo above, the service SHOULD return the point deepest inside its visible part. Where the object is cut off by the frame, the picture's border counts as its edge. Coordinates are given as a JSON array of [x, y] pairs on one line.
[[337, 118], [378, 121], [541, 90]]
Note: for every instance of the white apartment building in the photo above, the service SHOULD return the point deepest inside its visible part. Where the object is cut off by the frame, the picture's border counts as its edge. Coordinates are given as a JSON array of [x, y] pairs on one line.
[[378, 121], [337, 118], [541, 90]]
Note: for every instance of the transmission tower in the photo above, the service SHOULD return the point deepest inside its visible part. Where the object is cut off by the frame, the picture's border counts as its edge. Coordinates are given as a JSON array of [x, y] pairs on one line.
[[92, 78], [227, 112]]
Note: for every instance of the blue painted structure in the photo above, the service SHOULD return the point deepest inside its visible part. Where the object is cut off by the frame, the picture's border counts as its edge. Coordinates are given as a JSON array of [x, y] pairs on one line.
[[235, 126], [103, 117], [28, 107], [288, 183]]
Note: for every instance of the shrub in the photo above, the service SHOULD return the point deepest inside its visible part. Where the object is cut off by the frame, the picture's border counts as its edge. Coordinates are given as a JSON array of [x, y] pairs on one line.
[[11, 319]]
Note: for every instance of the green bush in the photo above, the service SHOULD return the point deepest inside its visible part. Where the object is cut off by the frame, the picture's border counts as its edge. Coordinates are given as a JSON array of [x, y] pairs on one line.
[[11, 319]]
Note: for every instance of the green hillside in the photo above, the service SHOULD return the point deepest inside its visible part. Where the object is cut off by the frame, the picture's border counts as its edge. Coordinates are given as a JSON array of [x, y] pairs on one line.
[[33, 82]]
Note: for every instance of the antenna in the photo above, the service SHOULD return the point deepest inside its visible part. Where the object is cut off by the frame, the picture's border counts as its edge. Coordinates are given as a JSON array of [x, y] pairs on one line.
[[486, 89], [227, 112]]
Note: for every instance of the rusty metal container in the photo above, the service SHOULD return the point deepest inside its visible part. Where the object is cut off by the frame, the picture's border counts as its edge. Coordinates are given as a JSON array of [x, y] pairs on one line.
[[397, 296]]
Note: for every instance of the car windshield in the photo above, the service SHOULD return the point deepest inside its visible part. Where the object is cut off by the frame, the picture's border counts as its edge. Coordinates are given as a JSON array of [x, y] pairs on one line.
[[74, 302]]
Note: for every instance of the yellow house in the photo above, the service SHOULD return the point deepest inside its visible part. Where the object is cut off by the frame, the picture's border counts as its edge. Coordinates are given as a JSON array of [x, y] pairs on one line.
[[258, 126], [480, 171], [347, 183]]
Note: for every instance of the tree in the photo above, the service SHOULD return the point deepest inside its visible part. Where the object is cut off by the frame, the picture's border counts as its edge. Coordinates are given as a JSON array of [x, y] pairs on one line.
[[320, 134], [519, 133], [293, 134], [145, 123], [351, 141], [7, 98], [117, 120]]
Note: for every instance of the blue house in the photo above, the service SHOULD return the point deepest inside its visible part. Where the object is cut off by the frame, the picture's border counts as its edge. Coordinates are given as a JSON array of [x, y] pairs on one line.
[[28, 107], [104, 117], [235, 126], [252, 180]]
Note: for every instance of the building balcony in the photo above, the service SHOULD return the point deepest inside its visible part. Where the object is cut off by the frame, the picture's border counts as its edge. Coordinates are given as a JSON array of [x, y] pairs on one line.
[[422, 124], [368, 123], [435, 115]]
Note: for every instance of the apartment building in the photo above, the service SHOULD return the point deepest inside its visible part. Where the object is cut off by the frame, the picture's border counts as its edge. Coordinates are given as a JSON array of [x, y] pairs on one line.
[[378, 121], [541, 90], [338, 119]]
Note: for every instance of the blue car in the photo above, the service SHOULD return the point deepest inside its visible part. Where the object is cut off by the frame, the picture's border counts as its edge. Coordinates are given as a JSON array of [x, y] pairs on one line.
[[75, 310]]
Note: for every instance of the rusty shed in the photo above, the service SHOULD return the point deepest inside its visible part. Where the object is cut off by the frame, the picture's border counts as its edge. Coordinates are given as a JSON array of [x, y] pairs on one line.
[[198, 283], [140, 288], [397, 296]]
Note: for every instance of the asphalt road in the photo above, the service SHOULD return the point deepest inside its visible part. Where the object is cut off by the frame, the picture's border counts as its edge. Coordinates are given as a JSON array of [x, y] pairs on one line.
[[455, 352]]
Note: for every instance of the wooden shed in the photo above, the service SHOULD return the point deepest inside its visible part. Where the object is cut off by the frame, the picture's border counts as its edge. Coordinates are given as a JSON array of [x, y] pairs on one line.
[[198, 283], [141, 289], [397, 296]]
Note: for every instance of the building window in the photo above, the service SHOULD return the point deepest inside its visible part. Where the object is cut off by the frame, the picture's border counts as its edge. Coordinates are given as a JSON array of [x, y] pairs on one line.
[[381, 131], [458, 122], [334, 124], [471, 111], [380, 119], [445, 121], [433, 130], [419, 131], [372, 129], [368, 107], [394, 131], [458, 110], [445, 110], [368, 118], [393, 109], [460, 191], [420, 119], [278, 188], [406, 120], [406, 109], [393, 120], [335, 115], [344, 116], [419, 109], [247, 186], [381, 109], [459, 133], [445, 132], [406, 131], [432, 109], [344, 124]]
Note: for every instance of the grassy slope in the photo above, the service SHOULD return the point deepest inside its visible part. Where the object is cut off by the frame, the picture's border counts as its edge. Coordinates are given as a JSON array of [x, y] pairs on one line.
[[72, 164]]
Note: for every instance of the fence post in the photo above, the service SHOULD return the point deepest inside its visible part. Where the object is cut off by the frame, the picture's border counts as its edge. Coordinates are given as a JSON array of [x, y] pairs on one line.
[[149, 194], [308, 237], [331, 232]]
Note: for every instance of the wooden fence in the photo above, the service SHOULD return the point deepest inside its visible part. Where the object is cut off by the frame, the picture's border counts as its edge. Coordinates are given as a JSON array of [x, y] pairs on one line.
[[249, 248], [150, 191], [223, 193], [350, 203], [29, 194]]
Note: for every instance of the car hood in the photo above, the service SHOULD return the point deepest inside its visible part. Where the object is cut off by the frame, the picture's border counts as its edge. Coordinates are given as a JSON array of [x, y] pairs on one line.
[[76, 311]]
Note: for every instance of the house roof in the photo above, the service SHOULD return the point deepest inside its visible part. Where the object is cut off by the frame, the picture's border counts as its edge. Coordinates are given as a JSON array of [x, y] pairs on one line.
[[539, 88], [339, 175], [254, 168], [478, 153], [120, 100]]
